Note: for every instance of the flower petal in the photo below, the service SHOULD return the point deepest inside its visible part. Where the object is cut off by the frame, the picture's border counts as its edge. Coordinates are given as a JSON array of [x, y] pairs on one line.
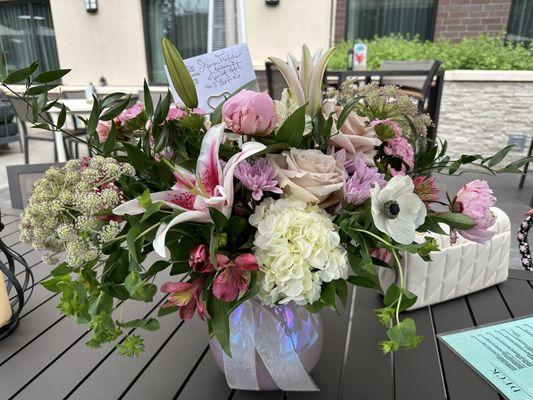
[[187, 216], [208, 168], [246, 262]]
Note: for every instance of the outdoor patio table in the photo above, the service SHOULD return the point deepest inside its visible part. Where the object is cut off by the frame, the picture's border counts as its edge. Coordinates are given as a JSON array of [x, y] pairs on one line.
[[46, 357], [76, 106]]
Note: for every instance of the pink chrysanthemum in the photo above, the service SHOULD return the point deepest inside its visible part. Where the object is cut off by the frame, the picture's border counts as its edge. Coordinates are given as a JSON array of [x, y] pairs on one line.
[[357, 188], [259, 177], [475, 199]]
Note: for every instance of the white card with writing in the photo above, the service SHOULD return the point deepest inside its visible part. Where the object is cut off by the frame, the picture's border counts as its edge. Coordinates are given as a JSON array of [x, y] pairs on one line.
[[218, 74]]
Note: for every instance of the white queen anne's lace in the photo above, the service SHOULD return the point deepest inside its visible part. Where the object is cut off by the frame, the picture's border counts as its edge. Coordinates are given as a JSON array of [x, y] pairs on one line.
[[298, 247]]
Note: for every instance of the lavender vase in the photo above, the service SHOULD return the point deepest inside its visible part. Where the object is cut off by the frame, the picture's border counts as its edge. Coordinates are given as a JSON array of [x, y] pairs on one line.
[[303, 331]]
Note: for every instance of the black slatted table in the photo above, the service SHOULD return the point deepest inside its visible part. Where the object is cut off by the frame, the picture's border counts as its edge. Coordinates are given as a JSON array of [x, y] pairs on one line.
[[46, 357]]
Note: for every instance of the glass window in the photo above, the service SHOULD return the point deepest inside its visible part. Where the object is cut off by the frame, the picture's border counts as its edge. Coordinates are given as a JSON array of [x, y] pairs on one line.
[[520, 27], [27, 34], [183, 22], [369, 18]]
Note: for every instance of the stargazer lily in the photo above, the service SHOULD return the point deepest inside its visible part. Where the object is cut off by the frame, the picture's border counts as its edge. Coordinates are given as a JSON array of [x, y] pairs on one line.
[[304, 78], [211, 186]]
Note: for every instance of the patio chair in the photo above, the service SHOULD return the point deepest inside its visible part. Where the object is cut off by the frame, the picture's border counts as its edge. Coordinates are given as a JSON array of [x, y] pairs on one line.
[[9, 130], [22, 112], [21, 179]]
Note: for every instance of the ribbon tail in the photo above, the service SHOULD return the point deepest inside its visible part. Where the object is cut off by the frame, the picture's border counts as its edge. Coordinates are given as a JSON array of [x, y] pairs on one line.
[[240, 369], [277, 352]]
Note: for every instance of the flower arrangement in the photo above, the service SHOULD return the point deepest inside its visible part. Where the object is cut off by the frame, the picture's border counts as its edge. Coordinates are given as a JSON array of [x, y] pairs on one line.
[[288, 200]]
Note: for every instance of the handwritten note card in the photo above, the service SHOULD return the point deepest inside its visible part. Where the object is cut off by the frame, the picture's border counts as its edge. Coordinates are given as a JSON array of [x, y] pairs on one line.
[[502, 353], [218, 74]]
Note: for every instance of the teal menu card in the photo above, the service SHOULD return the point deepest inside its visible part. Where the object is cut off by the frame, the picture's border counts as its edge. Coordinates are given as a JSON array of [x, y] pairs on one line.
[[502, 353]]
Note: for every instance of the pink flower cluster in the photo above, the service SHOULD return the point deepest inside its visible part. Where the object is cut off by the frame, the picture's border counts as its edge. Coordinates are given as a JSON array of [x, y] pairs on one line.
[[231, 278], [400, 148]]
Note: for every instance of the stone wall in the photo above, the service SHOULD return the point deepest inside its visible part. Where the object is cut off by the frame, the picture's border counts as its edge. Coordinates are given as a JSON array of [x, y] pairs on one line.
[[480, 109]]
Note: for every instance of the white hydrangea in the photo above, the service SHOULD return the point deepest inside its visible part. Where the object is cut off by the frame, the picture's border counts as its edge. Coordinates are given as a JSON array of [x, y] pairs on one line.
[[298, 248]]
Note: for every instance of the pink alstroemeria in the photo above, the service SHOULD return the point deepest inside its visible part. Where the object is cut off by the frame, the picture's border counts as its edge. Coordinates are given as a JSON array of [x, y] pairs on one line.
[[199, 259], [187, 296], [232, 276], [211, 186]]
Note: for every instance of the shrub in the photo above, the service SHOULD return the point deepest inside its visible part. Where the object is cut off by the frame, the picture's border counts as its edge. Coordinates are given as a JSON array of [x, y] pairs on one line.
[[481, 52]]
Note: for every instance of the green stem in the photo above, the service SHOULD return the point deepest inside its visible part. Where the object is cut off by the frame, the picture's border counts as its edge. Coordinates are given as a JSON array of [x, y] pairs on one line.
[[400, 272], [147, 230]]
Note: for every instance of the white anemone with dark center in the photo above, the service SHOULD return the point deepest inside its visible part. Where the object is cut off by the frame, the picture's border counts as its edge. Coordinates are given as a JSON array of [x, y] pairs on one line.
[[396, 210]]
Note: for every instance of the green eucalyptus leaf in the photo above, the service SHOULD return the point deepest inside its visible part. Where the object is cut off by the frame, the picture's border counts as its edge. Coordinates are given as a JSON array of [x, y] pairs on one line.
[[291, 131], [148, 104], [149, 324], [51, 76], [218, 324], [133, 282], [218, 218], [21, 74], [499, 156]]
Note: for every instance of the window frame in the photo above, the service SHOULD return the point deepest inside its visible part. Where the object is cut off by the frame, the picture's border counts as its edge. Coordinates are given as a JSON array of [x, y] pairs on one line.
[[512, 9], [433, 20], [30, 4]]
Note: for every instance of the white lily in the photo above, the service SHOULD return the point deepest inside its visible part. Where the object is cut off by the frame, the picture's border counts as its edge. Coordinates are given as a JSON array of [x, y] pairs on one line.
[[211, 186], [304, 78]]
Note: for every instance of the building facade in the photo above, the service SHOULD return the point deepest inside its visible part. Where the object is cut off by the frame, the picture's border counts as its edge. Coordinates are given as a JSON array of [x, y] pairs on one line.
[[117, 41]]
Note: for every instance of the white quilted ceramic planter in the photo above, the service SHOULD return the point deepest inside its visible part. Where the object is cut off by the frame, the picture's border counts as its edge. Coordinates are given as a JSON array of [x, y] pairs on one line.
[[458, 269]]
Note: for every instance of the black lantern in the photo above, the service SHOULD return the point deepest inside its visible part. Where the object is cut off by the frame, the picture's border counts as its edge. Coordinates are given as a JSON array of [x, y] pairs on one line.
[[15, 278], [91, 6]]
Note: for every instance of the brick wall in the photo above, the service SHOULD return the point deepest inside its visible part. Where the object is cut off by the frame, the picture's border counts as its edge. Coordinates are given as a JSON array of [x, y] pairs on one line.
[[341, 8], [459, 18]]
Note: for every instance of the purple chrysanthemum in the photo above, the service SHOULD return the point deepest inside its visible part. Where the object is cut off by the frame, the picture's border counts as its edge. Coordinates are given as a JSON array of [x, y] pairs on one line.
[[259, 177], [357, 188]]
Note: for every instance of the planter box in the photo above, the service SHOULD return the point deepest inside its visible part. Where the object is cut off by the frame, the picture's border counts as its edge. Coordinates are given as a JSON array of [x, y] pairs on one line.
[[458, 269]]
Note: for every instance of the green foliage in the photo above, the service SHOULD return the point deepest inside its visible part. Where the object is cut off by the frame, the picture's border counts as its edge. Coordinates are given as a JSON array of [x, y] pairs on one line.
[[481, 52]]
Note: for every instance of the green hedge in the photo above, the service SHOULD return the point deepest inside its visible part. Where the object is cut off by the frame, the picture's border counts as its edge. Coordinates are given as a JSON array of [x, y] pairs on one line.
[[481, 52]]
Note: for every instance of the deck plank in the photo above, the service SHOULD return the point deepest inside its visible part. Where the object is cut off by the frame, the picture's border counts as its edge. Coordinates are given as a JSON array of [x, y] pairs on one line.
[[80, 360], [206, 383], [518, 295], [462, 382], [424, 360], [176, 359], [367, 372], [327, 374]]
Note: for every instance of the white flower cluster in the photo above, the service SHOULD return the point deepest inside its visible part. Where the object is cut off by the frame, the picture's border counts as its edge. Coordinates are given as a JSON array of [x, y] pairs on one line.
[[64, 211], [298, 248]]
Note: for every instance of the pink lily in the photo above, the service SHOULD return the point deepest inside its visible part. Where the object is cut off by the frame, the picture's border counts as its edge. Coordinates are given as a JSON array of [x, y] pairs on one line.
[[232, 276], [187, 296], [193, 194]]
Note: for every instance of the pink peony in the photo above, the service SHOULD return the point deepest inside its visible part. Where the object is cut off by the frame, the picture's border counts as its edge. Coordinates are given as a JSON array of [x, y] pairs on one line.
[[250, 113], [475, 199], [199, 259], [232, 277], [399, 147], [259, 177], [102, 129], [187, 296], [131, 113], [357, 188]]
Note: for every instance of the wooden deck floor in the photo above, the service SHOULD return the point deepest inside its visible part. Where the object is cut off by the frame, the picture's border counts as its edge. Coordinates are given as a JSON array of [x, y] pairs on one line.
[[46, 357]]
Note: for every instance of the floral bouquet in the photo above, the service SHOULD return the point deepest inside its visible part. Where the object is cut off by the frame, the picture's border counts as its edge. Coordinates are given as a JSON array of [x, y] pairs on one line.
[[283, 201]]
